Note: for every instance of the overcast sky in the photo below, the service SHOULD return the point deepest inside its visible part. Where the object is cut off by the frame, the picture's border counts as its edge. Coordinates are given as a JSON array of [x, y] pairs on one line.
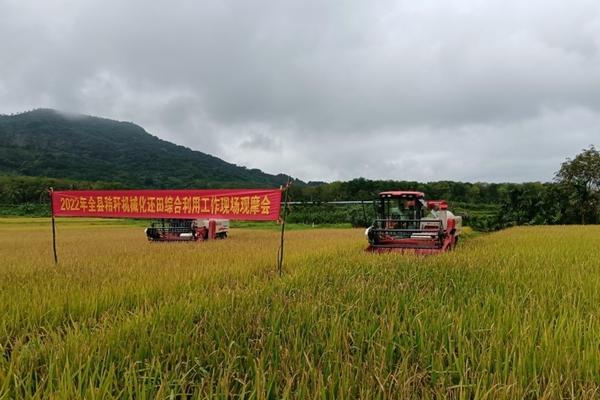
[[487, 90]]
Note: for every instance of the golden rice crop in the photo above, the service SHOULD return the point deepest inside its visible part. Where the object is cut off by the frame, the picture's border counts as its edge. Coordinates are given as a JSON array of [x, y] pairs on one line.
[[507, 315]]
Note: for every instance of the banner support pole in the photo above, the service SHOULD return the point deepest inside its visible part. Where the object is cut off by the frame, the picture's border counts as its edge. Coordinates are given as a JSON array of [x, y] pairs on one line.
[[280, 260], [51, 192]]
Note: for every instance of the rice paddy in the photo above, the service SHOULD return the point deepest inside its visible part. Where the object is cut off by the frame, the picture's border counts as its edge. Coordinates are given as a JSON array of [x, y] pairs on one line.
[[513, 314]]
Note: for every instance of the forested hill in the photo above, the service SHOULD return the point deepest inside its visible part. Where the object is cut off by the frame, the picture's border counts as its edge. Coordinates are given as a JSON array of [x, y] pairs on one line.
[[48, 143]]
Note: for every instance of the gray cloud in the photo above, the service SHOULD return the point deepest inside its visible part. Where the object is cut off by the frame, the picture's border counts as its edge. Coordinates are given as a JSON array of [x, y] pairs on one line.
[[260, 141], [465, 90]]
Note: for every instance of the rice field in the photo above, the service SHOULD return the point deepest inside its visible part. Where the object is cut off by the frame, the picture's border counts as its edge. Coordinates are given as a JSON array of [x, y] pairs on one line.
[[513, 314]]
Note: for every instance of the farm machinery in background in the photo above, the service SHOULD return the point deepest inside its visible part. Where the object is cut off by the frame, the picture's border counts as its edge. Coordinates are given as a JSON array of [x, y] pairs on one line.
[[177, 230], [407, 223]]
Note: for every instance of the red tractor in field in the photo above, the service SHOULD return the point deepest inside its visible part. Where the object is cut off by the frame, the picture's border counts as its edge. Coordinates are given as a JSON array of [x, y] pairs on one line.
[[407, 223], [179, 230]]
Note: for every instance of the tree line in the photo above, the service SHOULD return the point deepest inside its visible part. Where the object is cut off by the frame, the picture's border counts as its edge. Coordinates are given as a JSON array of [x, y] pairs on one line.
[[573, 197]]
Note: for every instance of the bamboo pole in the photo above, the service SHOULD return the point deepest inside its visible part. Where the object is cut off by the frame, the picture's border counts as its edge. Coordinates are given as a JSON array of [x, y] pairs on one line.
[[51, 192], [284, 215]]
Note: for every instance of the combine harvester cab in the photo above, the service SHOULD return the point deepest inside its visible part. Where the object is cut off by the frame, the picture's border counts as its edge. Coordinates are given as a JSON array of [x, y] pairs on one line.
[[181, 230], [406, 223]]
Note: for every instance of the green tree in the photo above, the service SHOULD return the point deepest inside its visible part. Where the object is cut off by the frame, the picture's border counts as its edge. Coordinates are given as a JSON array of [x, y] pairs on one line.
[[579, 180]]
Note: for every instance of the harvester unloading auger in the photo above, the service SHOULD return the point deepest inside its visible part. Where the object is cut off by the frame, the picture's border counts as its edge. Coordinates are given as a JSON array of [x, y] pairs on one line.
[[407, 223]]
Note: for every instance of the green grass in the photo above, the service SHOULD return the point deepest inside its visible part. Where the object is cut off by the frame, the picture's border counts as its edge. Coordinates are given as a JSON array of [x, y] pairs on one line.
[[513, 314]]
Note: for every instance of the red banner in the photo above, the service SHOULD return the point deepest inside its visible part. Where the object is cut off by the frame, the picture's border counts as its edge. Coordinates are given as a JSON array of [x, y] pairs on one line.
[[235, 204]]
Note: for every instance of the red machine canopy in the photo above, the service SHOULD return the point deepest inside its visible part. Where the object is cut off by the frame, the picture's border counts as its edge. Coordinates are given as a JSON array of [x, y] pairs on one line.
[[399, 193]]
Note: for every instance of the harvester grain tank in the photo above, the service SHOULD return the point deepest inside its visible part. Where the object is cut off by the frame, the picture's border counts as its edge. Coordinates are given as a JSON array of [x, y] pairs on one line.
[[407, 223]]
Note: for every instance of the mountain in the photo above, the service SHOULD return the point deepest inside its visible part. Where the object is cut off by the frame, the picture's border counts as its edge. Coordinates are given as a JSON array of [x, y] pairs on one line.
[[49, 143]]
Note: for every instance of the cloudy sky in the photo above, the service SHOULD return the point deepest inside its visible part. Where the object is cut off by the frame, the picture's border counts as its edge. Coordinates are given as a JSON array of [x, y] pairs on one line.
[[482, 90]]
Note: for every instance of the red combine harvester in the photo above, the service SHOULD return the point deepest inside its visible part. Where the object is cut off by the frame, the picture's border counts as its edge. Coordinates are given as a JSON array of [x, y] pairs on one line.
[[178, 230], [407, 223]]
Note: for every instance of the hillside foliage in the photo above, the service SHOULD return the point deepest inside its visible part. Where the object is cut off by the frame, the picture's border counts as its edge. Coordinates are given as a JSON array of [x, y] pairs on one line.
[[47, 143]]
